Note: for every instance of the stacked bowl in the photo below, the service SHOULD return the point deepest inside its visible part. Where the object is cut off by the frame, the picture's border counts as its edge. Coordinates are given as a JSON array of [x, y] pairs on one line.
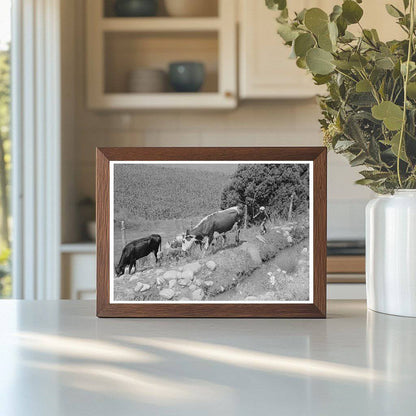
[[147, 80]]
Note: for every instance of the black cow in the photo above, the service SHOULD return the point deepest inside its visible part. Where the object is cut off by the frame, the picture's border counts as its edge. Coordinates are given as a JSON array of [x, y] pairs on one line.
[[136, 250]]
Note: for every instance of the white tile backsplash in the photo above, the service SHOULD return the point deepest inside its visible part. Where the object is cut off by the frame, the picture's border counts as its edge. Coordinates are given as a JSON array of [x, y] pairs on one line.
[[285, 123]]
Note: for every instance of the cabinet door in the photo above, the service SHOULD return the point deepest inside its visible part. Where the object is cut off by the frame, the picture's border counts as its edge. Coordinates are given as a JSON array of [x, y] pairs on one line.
[[78, 276], [265, 68], [376, 17]]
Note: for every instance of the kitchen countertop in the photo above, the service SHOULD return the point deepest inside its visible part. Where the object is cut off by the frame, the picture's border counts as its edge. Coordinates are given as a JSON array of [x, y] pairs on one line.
[[57, 358]]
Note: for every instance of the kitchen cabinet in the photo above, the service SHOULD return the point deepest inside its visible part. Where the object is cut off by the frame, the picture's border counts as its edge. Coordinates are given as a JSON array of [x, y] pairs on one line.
[[78, 263], [116, 46], [265, 70]]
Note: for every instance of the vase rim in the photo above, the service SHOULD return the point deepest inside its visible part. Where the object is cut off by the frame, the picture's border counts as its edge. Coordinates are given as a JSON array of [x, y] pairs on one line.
[[405, 191]]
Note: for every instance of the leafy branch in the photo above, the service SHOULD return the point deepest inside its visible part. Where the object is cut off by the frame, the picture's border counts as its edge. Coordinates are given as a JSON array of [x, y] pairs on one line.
[[369, 113], [406, 80]]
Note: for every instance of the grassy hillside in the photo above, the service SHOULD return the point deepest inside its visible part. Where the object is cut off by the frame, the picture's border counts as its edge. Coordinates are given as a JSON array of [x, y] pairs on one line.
[[154, 192]]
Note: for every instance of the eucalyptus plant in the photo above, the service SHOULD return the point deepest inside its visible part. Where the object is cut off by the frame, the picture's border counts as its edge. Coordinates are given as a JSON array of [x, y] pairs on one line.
[[369, 113]]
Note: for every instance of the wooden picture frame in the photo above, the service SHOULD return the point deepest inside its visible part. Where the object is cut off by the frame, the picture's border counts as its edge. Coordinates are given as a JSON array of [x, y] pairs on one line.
[[315, 307]]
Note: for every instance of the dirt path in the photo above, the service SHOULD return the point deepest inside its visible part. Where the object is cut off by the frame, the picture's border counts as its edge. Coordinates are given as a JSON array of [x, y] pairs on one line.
[[285, 277]]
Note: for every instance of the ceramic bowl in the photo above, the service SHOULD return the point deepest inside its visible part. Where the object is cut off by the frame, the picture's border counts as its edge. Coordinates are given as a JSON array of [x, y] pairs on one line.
[[135, 8], [186, 76], [191, 8], [147, 80]]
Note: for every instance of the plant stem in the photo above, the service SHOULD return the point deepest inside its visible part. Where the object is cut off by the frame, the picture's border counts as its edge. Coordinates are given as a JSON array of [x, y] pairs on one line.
[[406, 80], [345, 75], [373, 89], [392, 90]]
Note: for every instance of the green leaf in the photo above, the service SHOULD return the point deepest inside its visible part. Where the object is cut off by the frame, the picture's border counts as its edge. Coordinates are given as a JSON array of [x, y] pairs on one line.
[[374, 150], [347, 37], [276, 4], [358, 160], [377, 75], [333, 32], [343, 145], [358, 61], [385, 63], [327, 40], [412, 67], [353, 130], [364, 181], [342, 25], [361, 99], [396, 71], [406, 4], [334, 91], [316, 20], [393, 11], [301, 63], [394, 144], [343, 65], [391, 114], [374, 175], [303, 43], [375, 35], [336, 12], [363, 86], [321, 79], [351, 11], [283, 17], [284, 14], [286, 32], [405, 21], [411, 90], [368, 36], [300, 17], [319, 61], [324, 42]]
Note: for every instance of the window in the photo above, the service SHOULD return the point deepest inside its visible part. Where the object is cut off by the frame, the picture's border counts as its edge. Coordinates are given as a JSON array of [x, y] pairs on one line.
[[5, 145]]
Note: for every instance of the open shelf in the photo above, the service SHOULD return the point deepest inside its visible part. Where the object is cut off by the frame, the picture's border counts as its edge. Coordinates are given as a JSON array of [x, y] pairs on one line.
[[80, 247], [130, 101], [116, 46], [127, 51], [160, 24]]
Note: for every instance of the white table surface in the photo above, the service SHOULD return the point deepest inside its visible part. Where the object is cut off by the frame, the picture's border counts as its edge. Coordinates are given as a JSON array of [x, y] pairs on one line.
[[57, 359]]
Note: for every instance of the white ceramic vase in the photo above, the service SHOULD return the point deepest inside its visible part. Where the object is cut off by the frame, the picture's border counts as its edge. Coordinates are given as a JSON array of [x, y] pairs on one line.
[[391, 253]]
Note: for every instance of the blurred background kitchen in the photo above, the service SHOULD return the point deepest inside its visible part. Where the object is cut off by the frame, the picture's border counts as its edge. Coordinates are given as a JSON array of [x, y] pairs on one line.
[[154, 73]]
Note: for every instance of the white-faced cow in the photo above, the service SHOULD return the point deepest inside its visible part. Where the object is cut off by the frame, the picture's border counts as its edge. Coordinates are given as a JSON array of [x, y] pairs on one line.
[[219, 222], [136, 250]]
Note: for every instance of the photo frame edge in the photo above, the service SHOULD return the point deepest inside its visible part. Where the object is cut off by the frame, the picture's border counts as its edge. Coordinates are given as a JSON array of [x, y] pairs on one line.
[[317, 309]]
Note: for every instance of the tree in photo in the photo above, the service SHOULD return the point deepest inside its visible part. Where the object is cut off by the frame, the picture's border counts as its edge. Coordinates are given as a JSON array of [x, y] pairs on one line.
[[281, 188]]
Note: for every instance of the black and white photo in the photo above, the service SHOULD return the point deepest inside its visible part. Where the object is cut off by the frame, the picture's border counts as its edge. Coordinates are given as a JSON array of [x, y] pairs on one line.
[[211, 232]]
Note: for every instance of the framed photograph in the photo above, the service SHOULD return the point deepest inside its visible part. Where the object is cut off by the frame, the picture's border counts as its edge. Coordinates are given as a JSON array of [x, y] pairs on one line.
[[211, 232]]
